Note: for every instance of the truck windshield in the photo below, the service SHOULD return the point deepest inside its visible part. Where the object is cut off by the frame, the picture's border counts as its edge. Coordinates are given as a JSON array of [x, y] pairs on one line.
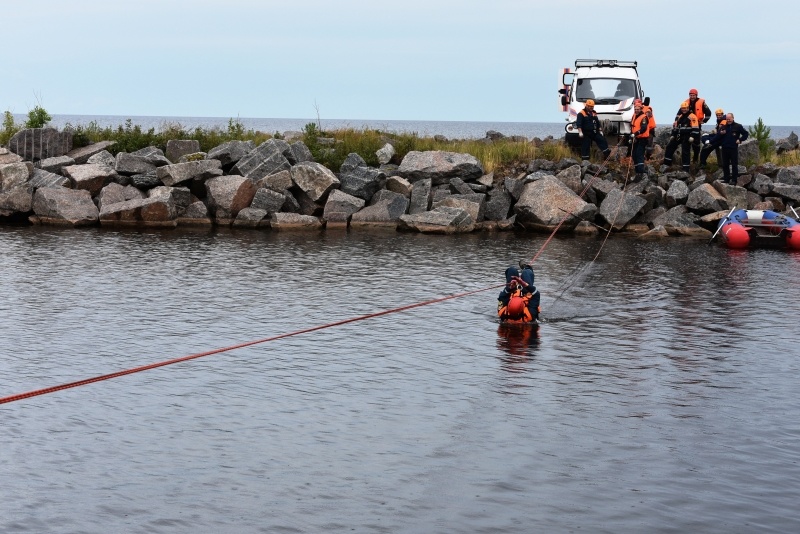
[[605, 90]]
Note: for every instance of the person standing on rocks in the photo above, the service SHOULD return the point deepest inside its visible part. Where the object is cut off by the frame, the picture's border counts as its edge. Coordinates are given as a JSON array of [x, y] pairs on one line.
[[640, 135], [589, 130], [701, 110], [685, 129], [730, 136], [708, 147], [651, 130]]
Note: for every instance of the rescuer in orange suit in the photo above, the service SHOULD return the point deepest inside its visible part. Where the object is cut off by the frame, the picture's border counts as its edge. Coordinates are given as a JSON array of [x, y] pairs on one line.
[[640, 134], [685, 130], [701, 110]]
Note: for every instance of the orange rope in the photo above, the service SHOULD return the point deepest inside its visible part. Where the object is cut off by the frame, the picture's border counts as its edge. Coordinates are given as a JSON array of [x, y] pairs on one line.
[[53, 389]]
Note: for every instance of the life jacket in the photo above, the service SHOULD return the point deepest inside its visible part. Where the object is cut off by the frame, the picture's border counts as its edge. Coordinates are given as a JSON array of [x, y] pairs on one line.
[[698, 108], [720, 124], [636, 125], [688, 120], [651, 120], [516, 311]]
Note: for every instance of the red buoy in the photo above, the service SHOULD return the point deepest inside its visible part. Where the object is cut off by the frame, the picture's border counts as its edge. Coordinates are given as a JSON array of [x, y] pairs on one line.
[[793, 237], [736, 235]]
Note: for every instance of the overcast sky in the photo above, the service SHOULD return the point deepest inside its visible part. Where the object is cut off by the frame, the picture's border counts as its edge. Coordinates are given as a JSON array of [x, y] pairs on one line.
[[460, 60]]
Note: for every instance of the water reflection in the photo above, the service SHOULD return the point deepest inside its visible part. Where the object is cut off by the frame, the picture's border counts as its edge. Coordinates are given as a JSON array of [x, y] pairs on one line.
[[519, 343]]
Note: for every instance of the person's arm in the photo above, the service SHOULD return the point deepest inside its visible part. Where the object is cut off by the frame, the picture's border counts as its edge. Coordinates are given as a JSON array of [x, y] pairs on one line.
[[744, 134], [706, 112]]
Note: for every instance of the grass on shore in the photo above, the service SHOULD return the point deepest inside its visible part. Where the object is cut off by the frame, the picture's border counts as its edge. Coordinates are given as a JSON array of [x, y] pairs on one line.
[[332, 147]]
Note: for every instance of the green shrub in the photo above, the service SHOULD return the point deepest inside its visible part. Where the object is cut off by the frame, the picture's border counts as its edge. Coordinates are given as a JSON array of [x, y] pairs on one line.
[[760, 132], [38, 117], [9, 128]]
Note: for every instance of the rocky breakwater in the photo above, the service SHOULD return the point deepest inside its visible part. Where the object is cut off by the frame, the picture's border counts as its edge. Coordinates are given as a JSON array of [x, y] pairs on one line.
[[278, 185]]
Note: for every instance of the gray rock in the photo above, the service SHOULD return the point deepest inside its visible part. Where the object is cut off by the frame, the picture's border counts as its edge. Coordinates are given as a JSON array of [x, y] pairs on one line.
[[761, 184], [267, 159], [251, 218], [314, 179], [178, 173], [157, 209], [181, 147], [268, 200], [361, 182], [421, 197], [115, 193], [62, 206], [439, 167], [384, 212], [442, 220], [231, 152], [473, 206], [299, 153], [7, 157], [788, 192], [196, 210], [351, 162], [280, 181], [228, 195], [55, 164], [787, 175], [14, 174], [545, 203], [341, 206], [677, 193], [42, 178], [34, 144], [400, 185], [17, 200], [748, 152], [514, 186], [89, 176], [705, 199], [619, 208], [460, 187], [572, 178], [385, 154], [85, 153], [130, 164], [294, 221], [146, 180], [103, 157], [498, 206]]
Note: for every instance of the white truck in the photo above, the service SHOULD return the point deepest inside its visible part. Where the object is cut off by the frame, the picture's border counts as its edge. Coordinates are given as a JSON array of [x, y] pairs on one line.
[[612, 84]]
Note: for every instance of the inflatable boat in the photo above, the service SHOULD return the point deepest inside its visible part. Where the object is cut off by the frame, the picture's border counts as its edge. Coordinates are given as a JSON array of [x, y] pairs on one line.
[[759, 229]]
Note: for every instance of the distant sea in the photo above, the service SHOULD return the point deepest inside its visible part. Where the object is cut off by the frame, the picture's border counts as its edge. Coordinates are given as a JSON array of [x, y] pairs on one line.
[[449, 129]]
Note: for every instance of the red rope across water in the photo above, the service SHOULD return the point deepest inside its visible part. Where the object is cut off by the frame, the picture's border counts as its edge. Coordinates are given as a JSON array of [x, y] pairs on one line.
[[53, 389]]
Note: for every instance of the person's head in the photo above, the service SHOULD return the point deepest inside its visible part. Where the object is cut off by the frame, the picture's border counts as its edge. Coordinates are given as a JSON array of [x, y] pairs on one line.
[[692, 94], [684, 107], [516, 307], [637, 105], [589, 104], [730, 117], [720, 114]]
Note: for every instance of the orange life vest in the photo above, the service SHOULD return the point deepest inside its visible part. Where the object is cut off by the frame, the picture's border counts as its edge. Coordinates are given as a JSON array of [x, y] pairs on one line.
[[698, 108], [651, 120], [636, 125], [516, 311]]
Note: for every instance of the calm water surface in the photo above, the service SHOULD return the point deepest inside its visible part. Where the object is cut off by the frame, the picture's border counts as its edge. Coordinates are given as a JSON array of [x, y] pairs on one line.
[[660, 394]]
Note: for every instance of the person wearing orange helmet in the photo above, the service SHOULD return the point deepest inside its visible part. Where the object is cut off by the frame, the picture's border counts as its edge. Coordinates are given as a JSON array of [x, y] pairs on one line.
[[518, 302], [590, 130], [651, 126], [701, 110], [684, 132], [640, 134], [708, 146]]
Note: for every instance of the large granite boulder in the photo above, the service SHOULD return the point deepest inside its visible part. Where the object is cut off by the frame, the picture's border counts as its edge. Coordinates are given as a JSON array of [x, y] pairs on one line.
[[441, 220], [231, 152], [280, 181], [421, 196], [33, 144], [181, 147], [89, 176], [572, 178], [227, 195], [104, 157], [130, 164], [473, 204], [362, 182], [705, 199], [294, 221], [171, 175], [498, 206], [385, 210], [400, 185], [677, 193], [619, 208], [268, 200], [55, 164], [62, 206], [314, 179], [547, 203], [81, 155], [266, 159], [7, 157], [115, 193], [41, 178], [17, 200], [15, 174], [439, 166], [158, 209], [298, 153], [340, 207]]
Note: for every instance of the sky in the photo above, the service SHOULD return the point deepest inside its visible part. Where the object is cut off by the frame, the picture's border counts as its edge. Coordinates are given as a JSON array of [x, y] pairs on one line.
[[440, 60]]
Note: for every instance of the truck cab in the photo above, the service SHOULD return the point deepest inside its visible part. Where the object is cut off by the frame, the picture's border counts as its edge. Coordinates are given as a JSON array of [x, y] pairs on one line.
[[612, 84]]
